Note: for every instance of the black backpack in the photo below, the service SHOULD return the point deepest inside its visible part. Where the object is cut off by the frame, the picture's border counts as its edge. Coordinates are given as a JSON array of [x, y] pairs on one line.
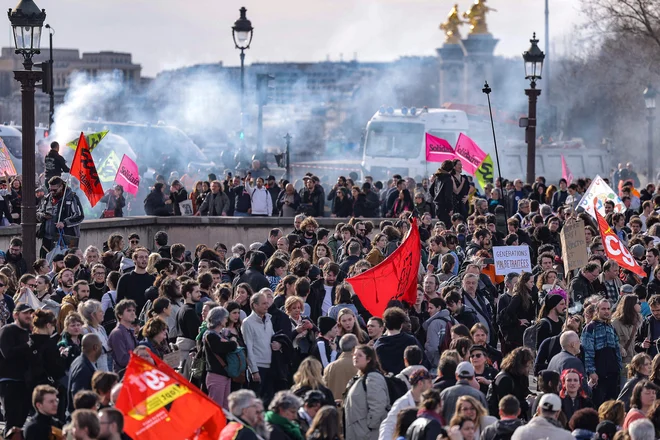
[[493, 396], [530, 335], [109, 318], [396, 387]]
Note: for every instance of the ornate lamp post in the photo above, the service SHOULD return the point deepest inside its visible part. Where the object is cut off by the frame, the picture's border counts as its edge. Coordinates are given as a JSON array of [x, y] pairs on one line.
[[26, 22], [242, 33], [649, 99], [533, 67]]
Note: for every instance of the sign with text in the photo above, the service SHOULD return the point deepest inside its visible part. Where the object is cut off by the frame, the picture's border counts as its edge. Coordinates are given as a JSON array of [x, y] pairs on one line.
[[128, 175], [509, 259], [573, 245]]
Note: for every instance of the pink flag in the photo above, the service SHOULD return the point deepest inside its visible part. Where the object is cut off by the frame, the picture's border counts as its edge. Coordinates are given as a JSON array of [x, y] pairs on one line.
[[438, 149], [128, 175], [470, 154], [565, 172]]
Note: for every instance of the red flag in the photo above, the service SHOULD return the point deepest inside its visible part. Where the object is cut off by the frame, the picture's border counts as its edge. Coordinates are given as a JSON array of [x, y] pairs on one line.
[[83, 169], [565, 172], [438, 149], [394, 278], [616, 250], [158, 403]]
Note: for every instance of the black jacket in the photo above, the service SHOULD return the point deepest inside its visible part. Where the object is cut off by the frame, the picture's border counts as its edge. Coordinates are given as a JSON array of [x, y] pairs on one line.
[[424, 428], [55, 165], [15, 352], [313, 201], [277, 433], [267, 248], [390, 351], [254, 277], [502, 429], [178, 197], [41, 427], [581, 288], [215, 347], [518, 386], [154, 204], [442, 192], [71, 214], [371, 205], [80, 377], [642, 333], [46, 364], [343, 207], [315, 298], [18, 262]]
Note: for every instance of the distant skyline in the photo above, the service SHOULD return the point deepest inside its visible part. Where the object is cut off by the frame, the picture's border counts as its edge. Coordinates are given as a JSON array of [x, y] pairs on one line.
[[168, 34]]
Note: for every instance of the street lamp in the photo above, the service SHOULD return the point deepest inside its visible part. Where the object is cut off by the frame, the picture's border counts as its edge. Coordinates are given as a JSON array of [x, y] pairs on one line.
[[649, 99], [242, 33], [26, 21], [51, 86], [533, 68]]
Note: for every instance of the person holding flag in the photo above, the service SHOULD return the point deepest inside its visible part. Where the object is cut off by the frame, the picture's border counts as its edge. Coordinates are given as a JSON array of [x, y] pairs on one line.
[[60, 214]]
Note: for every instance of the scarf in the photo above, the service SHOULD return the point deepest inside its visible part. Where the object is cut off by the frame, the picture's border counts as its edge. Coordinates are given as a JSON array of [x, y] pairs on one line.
[[290, 428], [5, 314], [431, 415]]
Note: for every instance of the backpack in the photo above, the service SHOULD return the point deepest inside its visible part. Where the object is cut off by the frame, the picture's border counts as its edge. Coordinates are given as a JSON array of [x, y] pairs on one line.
[[396, 387], [109, 317], [235, 364], [442, 335], [531, 333], [493, 397]]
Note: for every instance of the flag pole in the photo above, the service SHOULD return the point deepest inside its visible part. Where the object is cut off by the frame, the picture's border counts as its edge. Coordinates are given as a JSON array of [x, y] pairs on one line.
[[487, 91]]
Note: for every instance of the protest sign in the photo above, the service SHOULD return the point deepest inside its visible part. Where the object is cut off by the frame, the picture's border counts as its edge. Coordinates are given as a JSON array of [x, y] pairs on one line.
[[573, 245], [511, 259], [128, 175], [6, 164], [438, 149], [600, 192], [186, 208]]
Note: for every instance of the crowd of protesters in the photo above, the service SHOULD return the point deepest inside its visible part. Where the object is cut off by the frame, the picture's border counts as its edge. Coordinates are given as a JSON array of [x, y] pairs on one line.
[[274, 333]]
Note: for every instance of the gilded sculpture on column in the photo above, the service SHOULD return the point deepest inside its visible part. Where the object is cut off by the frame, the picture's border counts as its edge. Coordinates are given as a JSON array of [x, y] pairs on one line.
[[476, 17], [451, 26]]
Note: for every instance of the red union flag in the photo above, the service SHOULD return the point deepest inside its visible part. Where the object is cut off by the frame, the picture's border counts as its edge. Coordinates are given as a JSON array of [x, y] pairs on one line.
[[616, 250], [83, 169], [438, 149], [158, 404], [394, 278]]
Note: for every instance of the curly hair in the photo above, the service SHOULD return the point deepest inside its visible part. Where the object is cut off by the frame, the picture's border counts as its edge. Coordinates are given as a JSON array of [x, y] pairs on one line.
[[516, 362]]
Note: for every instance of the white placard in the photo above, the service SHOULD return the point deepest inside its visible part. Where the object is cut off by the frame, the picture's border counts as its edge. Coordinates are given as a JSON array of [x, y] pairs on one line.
[[511, 259]]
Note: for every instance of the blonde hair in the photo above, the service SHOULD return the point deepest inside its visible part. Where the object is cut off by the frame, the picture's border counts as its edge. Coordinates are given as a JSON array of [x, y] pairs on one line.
[[151, 264], [73, 317], [291, 301], [356, 328], [309, 375], [478, 408]]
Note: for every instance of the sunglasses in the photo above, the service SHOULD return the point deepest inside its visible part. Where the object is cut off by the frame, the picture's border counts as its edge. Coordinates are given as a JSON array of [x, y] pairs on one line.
[[135, 241], [476, 356]]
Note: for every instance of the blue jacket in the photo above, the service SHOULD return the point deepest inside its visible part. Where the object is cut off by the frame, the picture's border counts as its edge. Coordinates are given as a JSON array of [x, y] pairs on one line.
[[80, 377], [596, 336]]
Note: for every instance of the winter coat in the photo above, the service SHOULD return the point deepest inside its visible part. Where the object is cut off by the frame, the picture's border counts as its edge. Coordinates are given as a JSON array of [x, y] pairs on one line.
[[438, 335], [540, 427], [217, 204], [626, 334], [360, 206], [343, 207], [424, 428], [55, 164], [626, 391], [366, 407], [580, 289], [338, 374], [390, 351], [71, 214], [375, 256], [177, 197], [154, 204], [502, 429]]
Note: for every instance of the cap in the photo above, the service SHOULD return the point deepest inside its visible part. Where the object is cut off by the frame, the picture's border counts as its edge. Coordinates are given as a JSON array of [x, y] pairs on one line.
[[550, 402], [606, 430], [271, 177], [626, 288], [23, 307], [465, 370], [235, 264], [638, 251], [326, 324], [419, 375], [307, 178], [314, 272], [477, 348]]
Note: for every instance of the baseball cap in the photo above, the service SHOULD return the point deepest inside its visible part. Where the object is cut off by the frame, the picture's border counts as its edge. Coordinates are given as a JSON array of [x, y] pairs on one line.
[[271, 177], [550, 402], [465, 370], [627, 288], [23, 307], [419, 375], [638, 251]]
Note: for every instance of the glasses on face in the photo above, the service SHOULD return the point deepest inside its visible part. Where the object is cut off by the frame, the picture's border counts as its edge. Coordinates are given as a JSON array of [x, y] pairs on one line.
[[135, 241], [475, 356]]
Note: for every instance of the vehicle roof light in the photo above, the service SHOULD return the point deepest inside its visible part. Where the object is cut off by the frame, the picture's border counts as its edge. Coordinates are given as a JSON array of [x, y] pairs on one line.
[[404, 111]]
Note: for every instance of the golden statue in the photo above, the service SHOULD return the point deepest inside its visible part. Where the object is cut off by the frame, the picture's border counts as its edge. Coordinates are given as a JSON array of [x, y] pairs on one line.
[[452, 35], [476, 16]]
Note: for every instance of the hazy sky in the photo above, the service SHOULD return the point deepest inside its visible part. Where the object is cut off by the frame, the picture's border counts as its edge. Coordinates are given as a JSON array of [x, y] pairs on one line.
[[164, 34]]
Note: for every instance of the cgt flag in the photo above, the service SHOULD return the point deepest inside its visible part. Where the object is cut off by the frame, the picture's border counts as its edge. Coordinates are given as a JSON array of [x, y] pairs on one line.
[[83, 169], [438, 149], [616, 250], [394, 278], [158, 403]]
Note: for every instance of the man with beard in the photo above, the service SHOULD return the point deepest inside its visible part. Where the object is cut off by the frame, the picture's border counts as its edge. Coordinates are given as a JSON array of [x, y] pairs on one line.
[[187, 320], [16, 358], [477, 302], [602, 354], [112, 424], [311, 197], [249, 410], [373, 202], [60, 213], [360, 234], [65, 279], [308, 228], [274, 191], [322, 292], [70, 302], [132, 285], [270, 244], [14, 257]]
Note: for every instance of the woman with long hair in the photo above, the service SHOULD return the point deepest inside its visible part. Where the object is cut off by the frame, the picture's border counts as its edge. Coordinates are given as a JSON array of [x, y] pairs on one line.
[[377, 253], [234, 320], [520, 313], [321, 250], [155, 334], [115, 202], [442, 192], [242, 295], [367, 400], [151, 263], [655, 371], [44, 288], [626, 320], [403, 203], [310, 377], [613, 411], [343, 300], [513, 377], [348, 323], [285, 289], [573, 396], [195, 194], [472, 409], [430, 420], [643, 397], [548, 381], [326, 425], [546, 282], [639, 369], [552, 189], [538, 192], [92, 313], [465, 426], [275, 269]]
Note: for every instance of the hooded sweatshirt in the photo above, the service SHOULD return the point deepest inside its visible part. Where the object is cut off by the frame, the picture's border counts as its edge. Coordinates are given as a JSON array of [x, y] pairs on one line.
[[390, 351]]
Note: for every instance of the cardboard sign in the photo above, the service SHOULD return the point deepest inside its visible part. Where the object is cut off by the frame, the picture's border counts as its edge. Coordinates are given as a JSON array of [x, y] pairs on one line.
[[510, 259], [573, 245]]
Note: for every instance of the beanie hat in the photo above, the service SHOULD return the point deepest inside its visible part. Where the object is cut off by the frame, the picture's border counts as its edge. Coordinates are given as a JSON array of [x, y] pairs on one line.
[[605, 430], [235, 264], [551, 301], [325, 324]]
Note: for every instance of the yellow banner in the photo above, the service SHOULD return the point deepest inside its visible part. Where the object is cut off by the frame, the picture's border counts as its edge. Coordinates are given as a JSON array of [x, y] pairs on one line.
[[93, 140], [157, 401], [484, 173], [108, 168]]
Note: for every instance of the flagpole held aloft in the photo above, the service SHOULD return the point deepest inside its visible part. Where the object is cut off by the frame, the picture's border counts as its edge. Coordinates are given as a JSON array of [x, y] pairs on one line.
[[487, 91]]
